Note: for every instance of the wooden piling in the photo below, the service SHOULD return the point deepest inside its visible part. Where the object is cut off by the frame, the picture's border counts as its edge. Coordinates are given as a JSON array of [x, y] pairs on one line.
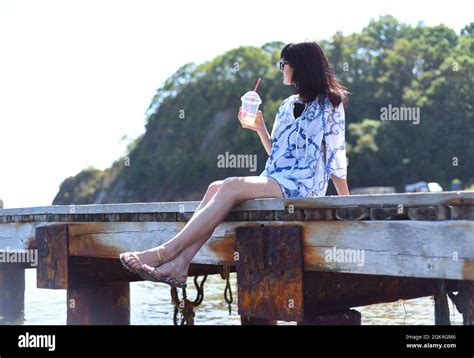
[[98, 290], [467, 301], [270, 272], [103, 305], [12, 294], [441, 304]]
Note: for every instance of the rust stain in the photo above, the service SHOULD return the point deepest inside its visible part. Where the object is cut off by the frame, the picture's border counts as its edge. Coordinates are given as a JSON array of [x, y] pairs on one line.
[[87, 246], [82, 241], [468, 270], [223, 248], [313, 257], [286, 296], [458, 201], [31, 243]]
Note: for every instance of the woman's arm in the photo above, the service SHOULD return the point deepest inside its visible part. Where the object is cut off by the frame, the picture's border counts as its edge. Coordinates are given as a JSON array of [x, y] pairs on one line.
[[265, 138], [341, 185]]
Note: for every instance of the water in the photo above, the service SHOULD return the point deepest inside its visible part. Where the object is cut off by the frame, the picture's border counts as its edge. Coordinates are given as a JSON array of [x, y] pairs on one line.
[[151, 305]]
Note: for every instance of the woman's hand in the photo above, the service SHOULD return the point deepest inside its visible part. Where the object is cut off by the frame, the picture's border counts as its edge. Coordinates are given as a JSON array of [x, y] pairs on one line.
[[256, 125]]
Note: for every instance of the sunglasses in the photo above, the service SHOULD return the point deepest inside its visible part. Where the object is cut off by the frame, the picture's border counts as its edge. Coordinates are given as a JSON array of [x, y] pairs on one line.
[[282, 64]]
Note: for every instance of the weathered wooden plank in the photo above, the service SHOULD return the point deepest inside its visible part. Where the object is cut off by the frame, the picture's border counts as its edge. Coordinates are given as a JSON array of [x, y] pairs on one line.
[[437, 249], [132, 208], [394, 264], [264, 204], [102, 305], [429, 213], [14, 236], [405, 199], [270, 272], [289, 215], [261, 215], [319, 214], [352, 213], [388, 213], [462, 212]]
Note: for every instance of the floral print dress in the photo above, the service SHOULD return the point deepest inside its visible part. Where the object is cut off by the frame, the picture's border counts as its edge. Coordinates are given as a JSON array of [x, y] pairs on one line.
[[308, 150]]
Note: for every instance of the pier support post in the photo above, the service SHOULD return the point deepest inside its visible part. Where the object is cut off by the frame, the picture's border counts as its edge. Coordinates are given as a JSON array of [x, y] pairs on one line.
[[12, 294], [441, 305], [103, 305], [96, 291], [269, 274], [467, 295]]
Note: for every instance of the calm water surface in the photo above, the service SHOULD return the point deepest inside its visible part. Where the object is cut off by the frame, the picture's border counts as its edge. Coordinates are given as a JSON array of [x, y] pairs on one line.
[[151, 305]]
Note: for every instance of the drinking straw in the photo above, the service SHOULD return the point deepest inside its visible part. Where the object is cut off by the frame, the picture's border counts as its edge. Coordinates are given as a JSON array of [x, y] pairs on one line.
[[256, 85]]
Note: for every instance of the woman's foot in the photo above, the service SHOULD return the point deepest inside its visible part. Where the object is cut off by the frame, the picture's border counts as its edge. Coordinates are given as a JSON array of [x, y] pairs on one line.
[[174, 272], [154, 257]]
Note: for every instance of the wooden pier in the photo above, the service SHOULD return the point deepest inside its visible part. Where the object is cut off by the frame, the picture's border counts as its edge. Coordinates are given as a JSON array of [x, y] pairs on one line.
[[308, 260]]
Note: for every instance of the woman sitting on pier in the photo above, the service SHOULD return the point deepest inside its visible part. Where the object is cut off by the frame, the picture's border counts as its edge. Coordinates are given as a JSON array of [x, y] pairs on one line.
[[306, 148]]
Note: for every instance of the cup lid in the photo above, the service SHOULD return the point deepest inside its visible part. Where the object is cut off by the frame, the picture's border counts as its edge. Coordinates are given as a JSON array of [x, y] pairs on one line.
[[251, 96]]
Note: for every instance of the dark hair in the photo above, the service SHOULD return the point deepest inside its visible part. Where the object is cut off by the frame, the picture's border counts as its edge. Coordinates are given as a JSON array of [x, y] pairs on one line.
[[313, 76]]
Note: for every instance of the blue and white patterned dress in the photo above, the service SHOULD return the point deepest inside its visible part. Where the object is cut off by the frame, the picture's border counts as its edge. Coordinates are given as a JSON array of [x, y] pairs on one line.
[[299, 161]]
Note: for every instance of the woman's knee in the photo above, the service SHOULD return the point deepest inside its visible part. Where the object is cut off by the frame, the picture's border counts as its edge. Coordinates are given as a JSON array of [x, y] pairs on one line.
[[214, 187], [231, 185]]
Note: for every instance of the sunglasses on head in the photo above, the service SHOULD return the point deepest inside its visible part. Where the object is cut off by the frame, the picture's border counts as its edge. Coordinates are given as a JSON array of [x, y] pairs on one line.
[[282, 64]]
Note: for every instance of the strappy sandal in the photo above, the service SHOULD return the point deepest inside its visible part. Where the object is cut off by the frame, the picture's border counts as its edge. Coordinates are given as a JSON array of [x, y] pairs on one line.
[[173, 281], [128, 265]]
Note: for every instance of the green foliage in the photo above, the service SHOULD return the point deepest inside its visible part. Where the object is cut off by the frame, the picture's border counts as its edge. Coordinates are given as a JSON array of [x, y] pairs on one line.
[[80, 189]]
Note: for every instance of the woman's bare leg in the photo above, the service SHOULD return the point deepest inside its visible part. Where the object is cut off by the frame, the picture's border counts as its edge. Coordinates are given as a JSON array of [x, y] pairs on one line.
[[203, 223], [149, 256]]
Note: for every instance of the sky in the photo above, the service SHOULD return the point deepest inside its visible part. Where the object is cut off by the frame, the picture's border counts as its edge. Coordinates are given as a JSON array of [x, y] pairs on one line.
[[76, 77]]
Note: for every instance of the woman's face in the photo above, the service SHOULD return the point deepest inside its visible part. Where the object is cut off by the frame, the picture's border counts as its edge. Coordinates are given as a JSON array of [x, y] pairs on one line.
[[287, 74]]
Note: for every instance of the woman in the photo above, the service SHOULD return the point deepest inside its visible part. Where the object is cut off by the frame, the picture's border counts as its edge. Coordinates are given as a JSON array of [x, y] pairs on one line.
[[306, 148]]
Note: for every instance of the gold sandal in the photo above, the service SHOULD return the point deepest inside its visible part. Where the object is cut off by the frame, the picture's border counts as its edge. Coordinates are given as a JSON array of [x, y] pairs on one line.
[[128, 265]]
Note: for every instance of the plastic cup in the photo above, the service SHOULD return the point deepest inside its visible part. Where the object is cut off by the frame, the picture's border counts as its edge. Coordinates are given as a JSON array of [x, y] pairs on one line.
[[250, 103]]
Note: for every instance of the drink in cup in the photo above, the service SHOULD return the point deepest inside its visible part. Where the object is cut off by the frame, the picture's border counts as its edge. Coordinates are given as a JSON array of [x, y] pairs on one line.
[[250, 103]]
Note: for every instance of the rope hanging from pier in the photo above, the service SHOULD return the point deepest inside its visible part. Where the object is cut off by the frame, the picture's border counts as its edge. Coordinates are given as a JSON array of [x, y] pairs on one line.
[[225, 274], [186, 307]]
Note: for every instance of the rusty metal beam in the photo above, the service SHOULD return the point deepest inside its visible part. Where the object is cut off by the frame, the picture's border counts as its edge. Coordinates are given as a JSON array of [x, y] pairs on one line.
[[270, 272]]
